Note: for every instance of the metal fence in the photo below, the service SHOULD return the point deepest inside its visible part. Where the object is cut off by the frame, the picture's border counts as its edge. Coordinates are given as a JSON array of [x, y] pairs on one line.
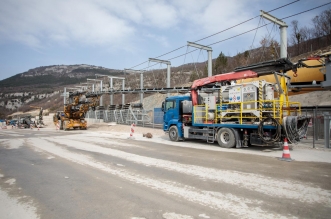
[[128, 114], [316, 125], [319, 126]]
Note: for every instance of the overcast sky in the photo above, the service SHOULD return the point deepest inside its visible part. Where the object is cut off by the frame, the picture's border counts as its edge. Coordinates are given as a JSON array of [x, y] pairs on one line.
[[120, 34]]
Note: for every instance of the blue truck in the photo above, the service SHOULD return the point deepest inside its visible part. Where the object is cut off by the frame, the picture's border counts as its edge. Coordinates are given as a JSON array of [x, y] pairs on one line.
[[221, 108]]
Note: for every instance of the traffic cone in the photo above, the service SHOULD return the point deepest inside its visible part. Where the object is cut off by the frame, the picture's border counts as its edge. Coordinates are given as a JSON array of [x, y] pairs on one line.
[[132, 131], [286, 152]]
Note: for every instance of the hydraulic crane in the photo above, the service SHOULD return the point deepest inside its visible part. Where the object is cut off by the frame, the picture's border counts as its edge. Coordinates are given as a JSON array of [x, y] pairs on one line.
[[73, 114]]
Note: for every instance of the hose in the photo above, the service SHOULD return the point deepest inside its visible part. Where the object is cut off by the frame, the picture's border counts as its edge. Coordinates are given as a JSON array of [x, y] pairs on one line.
[[295, 127], [266, 138]]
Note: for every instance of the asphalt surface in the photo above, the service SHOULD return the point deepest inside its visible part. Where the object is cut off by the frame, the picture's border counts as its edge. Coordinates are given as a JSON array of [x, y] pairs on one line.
[[83, 174]]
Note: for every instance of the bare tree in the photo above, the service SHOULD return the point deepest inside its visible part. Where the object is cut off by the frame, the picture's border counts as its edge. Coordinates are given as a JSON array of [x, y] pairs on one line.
[[322, 26]]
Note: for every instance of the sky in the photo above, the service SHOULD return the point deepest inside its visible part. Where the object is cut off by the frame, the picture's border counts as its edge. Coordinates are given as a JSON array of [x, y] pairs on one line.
[[119, 34]]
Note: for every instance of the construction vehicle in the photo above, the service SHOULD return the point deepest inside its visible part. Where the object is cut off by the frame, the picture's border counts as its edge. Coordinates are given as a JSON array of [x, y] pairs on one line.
[[73, 115], [240, 114], [39, 119], [24, 121]]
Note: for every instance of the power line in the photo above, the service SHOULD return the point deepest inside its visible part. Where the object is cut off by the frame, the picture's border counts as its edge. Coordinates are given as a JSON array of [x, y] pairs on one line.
[[214, 34], [306, 10], [240, 33]]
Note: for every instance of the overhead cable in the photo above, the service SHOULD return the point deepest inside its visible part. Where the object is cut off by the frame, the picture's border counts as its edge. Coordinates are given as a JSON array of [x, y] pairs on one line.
[[215, 34]]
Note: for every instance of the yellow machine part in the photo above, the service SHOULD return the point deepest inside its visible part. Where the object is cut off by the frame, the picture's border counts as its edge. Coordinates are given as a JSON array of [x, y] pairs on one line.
[[74, 123], [303, 75]]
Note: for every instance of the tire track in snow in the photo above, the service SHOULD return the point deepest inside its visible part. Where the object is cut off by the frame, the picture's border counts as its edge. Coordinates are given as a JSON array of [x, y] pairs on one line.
[[258, 183], [236, 206]]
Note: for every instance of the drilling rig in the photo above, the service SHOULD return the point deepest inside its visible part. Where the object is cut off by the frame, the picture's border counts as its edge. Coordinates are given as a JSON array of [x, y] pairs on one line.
[[73, 114]]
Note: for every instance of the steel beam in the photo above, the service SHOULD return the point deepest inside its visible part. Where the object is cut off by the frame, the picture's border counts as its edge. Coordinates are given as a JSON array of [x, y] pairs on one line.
[[141, 72], [101, 98], [283, 32], [168, 63], [209, 50], [111, 86]]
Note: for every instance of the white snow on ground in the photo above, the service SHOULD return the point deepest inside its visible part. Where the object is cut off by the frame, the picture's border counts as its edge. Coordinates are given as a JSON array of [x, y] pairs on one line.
[[10, 144], [254, 182], [11, 133], [298, 154], [11, 208], [204, 216], [172, 215], [11, 181], [237, 206]]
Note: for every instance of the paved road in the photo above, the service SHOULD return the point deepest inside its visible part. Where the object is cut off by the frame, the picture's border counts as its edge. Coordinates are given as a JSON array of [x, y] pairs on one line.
[[75, 174]]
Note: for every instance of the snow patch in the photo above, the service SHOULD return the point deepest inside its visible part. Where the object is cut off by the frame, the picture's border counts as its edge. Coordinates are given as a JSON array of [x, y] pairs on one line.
[[254, 182], [13, 208], [13, 143], [234, 205], [11, 181], [172, 215]]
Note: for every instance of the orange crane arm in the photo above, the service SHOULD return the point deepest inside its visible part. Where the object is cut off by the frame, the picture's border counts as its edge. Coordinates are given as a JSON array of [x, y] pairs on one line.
[[219, 78]]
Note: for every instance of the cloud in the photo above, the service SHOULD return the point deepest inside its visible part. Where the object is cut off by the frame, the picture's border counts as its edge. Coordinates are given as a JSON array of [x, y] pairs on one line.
[[121, 24], [217, 15], [63, 21], [160, 39]]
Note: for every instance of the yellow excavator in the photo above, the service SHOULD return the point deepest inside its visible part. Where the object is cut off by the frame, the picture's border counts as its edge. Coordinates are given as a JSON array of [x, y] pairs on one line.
[[73, 114]]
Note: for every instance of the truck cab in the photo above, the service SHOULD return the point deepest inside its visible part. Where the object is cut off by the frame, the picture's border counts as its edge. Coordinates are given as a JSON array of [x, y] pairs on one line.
[[173, 116]]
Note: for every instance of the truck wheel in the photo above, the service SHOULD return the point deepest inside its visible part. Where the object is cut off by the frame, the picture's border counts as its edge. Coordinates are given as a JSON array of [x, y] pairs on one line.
[[173, 133], [226, 138]]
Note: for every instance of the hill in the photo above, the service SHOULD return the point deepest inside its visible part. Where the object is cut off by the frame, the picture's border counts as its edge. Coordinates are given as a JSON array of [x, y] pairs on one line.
[[43, 86]]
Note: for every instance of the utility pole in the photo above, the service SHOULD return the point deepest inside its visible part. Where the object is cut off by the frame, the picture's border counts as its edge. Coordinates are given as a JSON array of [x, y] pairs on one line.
[[101, 99], [283, 32], [141, 80], [209, 50], [283, 50], [111, 87], [168, 69]]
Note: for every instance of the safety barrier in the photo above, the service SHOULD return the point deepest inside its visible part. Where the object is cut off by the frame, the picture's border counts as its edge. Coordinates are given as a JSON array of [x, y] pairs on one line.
[[127, 114], [245, 112]]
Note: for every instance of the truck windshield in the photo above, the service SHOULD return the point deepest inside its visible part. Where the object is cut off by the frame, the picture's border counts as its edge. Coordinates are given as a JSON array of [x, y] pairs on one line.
[[170, 105]]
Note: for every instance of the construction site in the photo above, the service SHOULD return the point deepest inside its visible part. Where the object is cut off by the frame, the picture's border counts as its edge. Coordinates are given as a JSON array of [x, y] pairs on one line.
[[251, 142]]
